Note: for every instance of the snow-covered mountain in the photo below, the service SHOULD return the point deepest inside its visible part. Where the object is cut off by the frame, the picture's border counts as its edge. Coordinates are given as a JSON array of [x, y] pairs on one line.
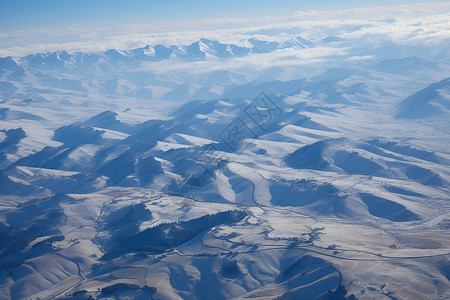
[[199, 50], [433, 100], [203, 171]]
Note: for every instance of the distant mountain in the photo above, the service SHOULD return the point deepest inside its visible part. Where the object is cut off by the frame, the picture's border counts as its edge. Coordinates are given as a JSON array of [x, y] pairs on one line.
[[433, 100], [332, 39], [199, 50], [298, 42], [7, 63], [402, 65]]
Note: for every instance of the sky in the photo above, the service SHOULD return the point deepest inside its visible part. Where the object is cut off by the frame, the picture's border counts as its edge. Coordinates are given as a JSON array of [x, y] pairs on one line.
[[47, 14], [31, 26]]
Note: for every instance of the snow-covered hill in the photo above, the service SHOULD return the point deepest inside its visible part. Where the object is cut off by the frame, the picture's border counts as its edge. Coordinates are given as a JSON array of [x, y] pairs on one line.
[[198, 172]]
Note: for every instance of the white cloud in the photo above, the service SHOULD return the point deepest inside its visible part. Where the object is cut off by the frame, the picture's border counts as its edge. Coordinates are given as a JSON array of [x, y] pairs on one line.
[[279, 58]]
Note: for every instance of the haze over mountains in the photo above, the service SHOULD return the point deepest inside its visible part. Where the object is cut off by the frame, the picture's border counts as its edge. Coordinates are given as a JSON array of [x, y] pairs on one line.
[[281, 168]]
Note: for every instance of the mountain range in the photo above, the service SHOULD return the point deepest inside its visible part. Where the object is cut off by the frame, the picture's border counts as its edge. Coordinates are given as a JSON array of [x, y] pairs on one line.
[[188, 172]]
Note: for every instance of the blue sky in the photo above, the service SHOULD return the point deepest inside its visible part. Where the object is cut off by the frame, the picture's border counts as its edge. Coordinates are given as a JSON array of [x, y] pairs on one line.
[[45, 14]]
